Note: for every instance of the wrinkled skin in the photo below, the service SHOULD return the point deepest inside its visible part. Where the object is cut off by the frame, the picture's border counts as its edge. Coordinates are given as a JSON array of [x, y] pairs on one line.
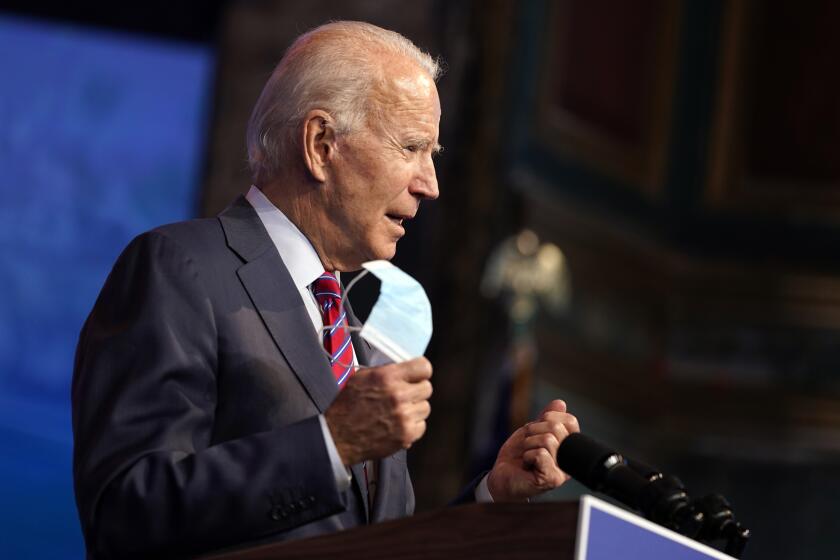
[[381, 410], [527, 462]]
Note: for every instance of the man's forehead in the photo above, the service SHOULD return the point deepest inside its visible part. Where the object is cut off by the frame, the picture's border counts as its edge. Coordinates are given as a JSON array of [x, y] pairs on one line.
[[404, 78], [405, 105], [414, 84]]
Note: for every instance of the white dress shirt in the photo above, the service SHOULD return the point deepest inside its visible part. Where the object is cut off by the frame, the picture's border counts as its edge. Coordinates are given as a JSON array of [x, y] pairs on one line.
[[305, 267]]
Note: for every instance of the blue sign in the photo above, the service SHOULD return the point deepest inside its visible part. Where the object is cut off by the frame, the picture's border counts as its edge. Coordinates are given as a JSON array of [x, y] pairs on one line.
[[607, 532]]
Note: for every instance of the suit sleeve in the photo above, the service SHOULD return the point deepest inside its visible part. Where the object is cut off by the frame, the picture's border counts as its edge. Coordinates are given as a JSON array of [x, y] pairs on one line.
[[148, 481], [469, 494]]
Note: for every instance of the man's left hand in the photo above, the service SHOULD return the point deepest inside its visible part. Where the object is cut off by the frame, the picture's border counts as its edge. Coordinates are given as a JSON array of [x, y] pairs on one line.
[[527, 462]]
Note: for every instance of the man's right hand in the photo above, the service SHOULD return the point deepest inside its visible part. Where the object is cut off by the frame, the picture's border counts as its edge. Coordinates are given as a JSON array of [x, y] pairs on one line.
[[381, 410]]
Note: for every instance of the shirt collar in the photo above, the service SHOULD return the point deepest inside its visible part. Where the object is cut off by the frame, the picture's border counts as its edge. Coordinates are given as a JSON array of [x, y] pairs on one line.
[[297, 252]]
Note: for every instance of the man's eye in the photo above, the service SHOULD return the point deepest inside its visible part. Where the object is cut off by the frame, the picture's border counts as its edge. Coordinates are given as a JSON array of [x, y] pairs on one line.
[[412, 148]]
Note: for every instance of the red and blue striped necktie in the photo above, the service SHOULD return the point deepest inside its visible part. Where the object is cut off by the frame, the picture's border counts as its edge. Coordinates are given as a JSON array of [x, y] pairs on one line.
[[336, 338]]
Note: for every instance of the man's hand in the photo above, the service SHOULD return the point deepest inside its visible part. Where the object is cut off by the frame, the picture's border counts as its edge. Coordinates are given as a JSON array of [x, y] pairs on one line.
[[381, 410], [527, 462]]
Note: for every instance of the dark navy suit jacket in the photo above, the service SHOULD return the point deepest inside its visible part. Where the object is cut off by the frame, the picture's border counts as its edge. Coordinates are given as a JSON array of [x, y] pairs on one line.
[[196, 390]]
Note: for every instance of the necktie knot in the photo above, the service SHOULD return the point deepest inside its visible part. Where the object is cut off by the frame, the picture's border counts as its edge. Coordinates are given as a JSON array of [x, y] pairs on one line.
[[327, 292]]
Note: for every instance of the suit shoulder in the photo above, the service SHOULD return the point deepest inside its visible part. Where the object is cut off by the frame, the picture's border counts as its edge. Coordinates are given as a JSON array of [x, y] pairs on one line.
[[190, 232], [191, 237], [199, 241]]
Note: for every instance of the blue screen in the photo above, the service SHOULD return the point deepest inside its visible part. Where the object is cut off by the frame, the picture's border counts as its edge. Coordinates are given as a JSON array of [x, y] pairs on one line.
[[611, 537], [101, 138]]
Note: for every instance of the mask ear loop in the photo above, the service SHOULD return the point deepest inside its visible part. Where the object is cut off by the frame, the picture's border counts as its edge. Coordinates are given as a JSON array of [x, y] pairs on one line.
[[341, 313]]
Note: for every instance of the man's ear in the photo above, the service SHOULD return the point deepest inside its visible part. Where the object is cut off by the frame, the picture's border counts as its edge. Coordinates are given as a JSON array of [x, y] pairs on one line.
[[318, 143]]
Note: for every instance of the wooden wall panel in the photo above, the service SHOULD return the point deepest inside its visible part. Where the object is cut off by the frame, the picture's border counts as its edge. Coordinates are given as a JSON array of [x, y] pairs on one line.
[[606, 88], [776, 136]]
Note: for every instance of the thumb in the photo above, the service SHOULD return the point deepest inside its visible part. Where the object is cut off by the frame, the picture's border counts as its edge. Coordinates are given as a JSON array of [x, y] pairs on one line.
[[556, 405]]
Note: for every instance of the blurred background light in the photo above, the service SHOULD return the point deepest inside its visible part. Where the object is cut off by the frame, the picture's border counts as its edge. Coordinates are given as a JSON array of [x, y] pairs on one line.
[[102, 138]]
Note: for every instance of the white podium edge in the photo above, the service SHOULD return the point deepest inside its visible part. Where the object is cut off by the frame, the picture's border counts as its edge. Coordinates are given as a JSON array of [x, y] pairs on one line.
[[589, 502]]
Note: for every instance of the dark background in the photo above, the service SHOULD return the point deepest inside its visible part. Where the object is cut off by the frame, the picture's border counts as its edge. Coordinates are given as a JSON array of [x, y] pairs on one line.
[[683, 154]]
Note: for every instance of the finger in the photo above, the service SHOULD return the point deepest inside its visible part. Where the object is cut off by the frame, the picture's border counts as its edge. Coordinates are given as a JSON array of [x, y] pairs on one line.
[[539, 460], [416, 412], [414, 371], [421, 391], [411, 371], [411, 413], [553, 420], [547, 441], [412, 433], [538, 457], [535, 428], [418, 431], [546, 473], [554, 406]]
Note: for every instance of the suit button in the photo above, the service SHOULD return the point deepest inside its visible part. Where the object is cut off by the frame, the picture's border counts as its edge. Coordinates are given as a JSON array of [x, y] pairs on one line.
[[292, 506], [302, 504], [277, 513], [311, 499]]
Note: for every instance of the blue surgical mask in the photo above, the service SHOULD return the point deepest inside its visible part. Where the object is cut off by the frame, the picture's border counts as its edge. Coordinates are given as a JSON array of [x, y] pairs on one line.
[[400, 323]]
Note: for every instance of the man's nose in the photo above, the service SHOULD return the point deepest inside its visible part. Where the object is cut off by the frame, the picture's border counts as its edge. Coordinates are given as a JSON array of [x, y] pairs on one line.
[[426, 185]]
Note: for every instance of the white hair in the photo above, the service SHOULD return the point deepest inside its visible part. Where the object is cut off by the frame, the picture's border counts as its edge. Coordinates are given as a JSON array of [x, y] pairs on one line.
[[332, 68]]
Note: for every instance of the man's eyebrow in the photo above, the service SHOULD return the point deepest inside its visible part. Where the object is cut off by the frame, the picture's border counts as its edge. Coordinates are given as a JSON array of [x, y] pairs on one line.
[[426, 144]]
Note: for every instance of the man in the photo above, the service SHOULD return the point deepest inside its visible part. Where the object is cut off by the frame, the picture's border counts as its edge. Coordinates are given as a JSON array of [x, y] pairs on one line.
[[208, 411]]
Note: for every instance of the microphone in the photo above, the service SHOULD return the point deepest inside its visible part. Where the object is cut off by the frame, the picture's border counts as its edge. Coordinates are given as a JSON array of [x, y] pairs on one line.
[[662, 499], [721, 524]]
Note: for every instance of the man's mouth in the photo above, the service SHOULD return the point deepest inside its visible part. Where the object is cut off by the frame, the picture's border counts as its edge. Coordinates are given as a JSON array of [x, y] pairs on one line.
[[398, 218]]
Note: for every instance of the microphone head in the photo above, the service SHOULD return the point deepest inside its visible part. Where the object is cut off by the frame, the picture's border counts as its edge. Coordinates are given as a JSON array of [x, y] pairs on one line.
[[647, 471], [586, 460]]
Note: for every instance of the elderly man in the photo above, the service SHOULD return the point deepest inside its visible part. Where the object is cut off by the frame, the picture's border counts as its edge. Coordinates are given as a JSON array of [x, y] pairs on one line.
[[206, 412]]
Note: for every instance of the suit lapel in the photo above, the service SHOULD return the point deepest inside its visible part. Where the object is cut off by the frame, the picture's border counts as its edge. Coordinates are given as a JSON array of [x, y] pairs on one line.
[[278, 302]]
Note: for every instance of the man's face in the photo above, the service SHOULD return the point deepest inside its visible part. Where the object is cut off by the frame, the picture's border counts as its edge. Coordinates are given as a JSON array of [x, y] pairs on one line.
[[382, 171]]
